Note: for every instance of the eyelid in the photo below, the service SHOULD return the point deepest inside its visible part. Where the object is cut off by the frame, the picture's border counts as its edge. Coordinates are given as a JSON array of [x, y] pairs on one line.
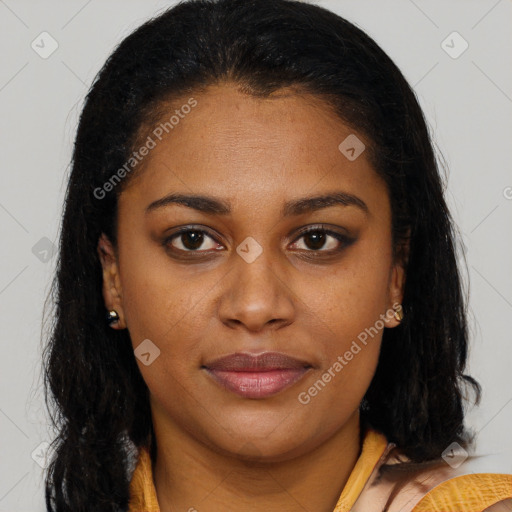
[[322, 227]]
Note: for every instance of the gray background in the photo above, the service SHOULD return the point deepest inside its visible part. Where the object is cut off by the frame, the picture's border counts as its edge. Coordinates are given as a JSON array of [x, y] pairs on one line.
[[467, 101]]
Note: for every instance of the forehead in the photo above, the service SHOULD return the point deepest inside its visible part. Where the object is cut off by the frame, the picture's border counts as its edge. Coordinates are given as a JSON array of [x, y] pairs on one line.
[[251, 146], [232, 124]]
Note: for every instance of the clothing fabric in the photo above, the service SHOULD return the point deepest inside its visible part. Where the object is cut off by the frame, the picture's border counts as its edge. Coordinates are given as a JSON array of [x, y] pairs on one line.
[[448, 489]]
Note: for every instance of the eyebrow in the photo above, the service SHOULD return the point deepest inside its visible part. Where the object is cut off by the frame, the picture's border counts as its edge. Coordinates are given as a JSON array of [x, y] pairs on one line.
[[214, 206]]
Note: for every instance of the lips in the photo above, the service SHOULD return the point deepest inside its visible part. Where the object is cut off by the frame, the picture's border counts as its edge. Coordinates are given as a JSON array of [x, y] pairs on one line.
[[256, 376]]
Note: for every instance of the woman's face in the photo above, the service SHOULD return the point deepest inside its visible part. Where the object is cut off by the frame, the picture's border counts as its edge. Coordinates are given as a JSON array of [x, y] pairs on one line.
[[246, 279]]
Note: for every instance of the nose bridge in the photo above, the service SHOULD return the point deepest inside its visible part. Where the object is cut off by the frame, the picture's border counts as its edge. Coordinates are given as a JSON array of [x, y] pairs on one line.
[[256, 267], [256, 293]]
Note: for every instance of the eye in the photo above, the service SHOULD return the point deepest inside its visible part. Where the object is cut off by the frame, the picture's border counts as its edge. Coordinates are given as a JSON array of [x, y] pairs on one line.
[[319, 239], [189, 239]]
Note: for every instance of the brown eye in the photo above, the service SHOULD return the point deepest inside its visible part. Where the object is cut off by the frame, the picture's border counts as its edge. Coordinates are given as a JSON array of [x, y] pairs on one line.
[[191, 240], [315, 240], [321, 240]]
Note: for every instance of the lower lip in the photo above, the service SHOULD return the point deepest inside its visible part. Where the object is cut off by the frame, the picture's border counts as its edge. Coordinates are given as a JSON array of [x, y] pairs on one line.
[[257, 384]]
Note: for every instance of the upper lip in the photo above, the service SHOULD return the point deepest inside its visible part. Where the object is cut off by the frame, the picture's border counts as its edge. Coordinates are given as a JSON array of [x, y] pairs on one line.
[[267, 361]]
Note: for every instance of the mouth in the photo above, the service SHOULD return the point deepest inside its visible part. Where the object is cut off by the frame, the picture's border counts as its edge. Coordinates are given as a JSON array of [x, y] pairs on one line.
[[257, 376]]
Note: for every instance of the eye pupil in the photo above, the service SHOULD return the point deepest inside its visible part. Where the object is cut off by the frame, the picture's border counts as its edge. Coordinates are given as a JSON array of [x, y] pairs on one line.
[[192, 239], [318, 239]]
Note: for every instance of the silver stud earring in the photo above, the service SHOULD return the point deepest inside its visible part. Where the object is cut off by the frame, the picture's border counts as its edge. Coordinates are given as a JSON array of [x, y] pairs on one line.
[[112, 317]]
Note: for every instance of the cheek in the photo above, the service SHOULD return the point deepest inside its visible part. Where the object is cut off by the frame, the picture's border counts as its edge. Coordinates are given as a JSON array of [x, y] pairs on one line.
[[365, 285], [349, 360], [348, 316], [169, 310], [157, 303], [354, 295]]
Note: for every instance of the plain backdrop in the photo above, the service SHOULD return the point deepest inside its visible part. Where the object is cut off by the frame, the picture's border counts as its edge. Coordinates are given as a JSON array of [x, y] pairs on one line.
[[466, 94]]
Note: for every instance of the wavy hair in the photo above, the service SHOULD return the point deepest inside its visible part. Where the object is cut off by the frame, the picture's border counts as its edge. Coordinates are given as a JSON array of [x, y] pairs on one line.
[[94, 391]]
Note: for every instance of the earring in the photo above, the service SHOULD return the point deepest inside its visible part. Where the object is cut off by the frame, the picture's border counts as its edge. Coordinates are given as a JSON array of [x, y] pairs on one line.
[[112, 317], [399, 313]]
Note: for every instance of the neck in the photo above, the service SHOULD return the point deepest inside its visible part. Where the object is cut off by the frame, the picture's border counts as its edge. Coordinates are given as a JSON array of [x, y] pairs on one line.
[[190, 476]]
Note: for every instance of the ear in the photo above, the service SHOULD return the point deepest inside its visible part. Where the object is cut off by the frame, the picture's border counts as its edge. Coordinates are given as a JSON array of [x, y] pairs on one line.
[[112, 292], [396, 286]]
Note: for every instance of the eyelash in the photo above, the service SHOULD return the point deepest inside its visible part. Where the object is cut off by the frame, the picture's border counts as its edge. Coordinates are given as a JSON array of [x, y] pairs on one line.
[[344, 240]]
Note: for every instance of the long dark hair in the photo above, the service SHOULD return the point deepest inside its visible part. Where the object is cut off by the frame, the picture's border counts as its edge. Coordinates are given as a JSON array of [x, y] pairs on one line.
[[97, 398]]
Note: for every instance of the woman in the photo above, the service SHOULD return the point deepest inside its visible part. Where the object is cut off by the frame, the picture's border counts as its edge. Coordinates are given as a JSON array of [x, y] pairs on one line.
[[255, 205]]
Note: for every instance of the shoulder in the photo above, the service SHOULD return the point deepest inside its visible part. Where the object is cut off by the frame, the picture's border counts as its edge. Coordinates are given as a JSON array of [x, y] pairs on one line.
[[468, 493], [474, 485]]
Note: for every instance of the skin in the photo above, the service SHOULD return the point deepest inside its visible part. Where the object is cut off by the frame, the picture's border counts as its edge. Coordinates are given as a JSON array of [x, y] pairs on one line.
[[217, 450]]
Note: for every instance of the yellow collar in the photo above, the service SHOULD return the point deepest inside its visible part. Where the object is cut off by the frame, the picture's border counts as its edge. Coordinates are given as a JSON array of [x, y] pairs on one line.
[[143, 494]]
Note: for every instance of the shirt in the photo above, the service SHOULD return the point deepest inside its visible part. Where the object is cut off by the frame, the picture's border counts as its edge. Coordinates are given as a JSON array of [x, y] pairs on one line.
[[449, 490]]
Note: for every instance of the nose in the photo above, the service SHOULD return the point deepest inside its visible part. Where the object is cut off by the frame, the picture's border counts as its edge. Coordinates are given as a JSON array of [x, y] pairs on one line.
[[257, 295]]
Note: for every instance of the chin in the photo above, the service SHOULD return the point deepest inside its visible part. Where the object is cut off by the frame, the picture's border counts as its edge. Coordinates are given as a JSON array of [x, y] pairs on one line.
[[247, 446]]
